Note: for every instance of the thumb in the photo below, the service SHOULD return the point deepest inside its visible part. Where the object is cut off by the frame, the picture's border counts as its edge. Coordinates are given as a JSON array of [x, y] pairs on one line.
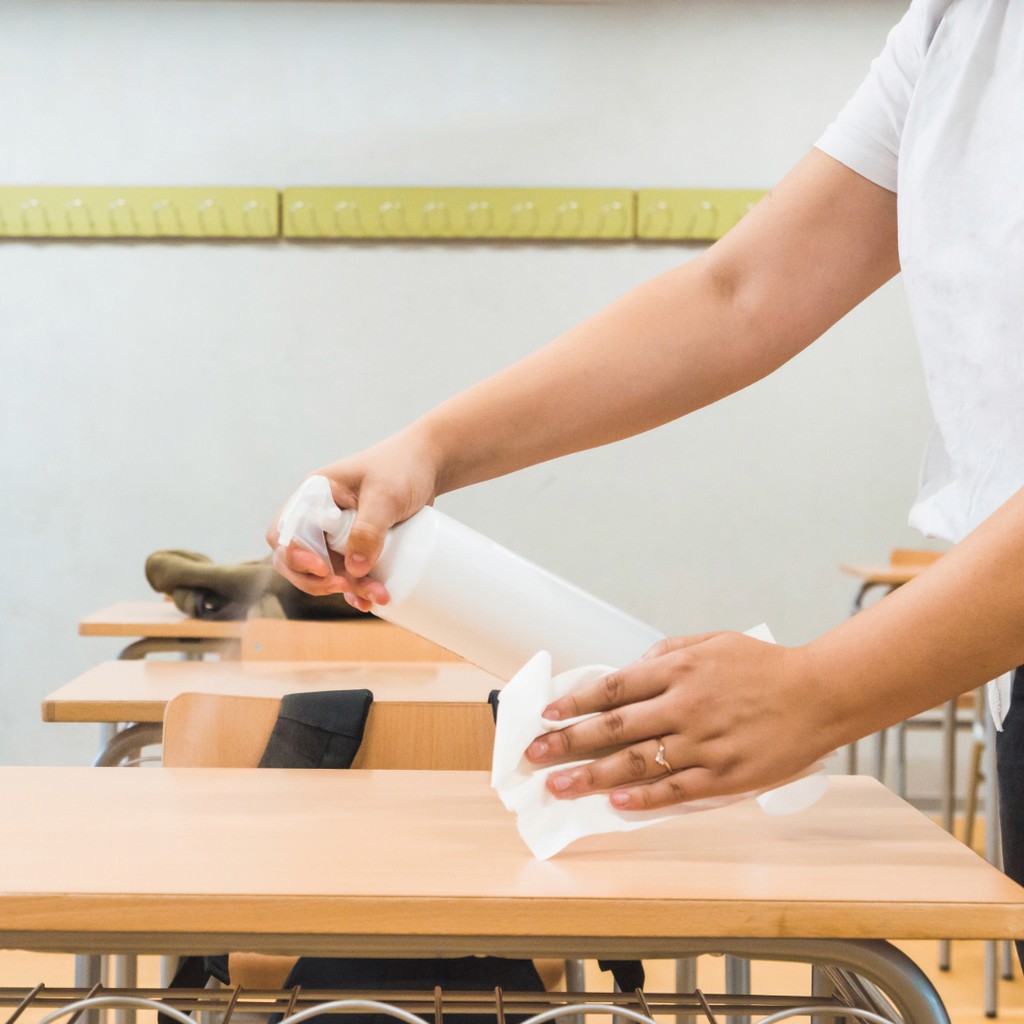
[[365, 541], [677, 643]]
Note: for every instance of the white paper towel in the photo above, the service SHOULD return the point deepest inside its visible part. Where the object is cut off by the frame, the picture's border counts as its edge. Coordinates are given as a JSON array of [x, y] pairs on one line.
[[548, 824]]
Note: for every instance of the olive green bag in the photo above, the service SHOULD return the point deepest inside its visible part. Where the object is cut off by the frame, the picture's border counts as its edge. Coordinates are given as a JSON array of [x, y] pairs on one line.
[[206, 589]]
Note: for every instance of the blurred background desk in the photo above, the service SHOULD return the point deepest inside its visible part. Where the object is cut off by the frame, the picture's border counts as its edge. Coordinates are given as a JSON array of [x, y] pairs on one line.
[[138, 691], [160, 627]]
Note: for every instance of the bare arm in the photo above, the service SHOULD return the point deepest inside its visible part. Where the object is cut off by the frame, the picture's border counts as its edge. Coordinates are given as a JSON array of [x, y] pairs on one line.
[[820, 242]]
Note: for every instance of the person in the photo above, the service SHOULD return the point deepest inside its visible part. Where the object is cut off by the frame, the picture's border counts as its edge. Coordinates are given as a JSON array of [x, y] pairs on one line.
[[921, 171]]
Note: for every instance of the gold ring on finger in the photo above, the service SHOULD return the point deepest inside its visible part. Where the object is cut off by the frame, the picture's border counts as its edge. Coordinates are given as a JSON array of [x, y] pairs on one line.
[[661, 759]]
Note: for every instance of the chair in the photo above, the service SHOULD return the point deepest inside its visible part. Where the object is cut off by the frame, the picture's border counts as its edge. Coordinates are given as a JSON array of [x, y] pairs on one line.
[[203, 730], [363, 639]]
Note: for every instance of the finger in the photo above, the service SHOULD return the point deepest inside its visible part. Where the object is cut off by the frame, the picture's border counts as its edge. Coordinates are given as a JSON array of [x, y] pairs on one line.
[[677, 643], [365, 541], [319, 586], [357, 602], [302, 560], [635, 763], [627, 686], [273, 534], [594, 736], [678, 788]]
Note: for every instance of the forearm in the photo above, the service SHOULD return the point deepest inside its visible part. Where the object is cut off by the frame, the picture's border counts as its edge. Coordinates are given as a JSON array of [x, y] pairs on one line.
[[811, 250], [669, 347], [958, 625]]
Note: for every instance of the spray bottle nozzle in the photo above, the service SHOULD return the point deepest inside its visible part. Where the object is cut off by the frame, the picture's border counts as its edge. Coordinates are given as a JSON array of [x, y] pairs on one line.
[[311, 519]]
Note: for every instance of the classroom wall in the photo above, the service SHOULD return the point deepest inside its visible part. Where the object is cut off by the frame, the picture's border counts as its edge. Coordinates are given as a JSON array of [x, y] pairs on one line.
[[171, 395]]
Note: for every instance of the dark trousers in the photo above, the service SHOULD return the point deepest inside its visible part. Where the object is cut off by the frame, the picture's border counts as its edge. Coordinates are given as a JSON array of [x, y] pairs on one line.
[[1010, 760]]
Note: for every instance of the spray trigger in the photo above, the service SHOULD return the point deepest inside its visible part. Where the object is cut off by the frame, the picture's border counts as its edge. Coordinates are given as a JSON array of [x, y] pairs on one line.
[[311, 517]]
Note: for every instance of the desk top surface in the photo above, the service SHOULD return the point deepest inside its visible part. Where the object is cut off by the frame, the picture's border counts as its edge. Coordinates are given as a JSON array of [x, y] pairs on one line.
[[884, 575], [155, 619], [281, 860], [137, 691]]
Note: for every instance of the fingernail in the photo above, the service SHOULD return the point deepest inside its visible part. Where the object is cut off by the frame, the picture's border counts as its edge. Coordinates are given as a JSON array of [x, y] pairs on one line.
[[563, 782], [620, 798], [358, 564], [537, 750], [351, 598], [551, 714]]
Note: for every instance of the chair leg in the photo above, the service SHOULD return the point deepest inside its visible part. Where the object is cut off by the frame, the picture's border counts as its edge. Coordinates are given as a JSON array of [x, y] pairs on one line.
[[901, 760], [992, 855], [974, 781], [880, 755], [1009, 958]]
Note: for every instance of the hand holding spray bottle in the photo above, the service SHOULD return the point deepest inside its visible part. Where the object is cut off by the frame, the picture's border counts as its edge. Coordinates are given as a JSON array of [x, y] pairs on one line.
[[462, 591]]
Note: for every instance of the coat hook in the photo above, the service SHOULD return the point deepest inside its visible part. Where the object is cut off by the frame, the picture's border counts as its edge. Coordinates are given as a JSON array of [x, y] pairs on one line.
[[34, 204], [294, 210], [348, 210], [78, 204], [159, 208]]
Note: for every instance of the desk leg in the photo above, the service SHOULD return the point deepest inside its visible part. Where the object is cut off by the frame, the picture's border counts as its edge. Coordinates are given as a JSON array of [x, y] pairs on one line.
[[126, 975], [575, 981], [737, 982], [88, 971], [686, 982]]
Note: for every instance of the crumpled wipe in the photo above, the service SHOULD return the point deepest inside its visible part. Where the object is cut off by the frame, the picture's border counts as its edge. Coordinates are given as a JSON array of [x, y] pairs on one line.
[[547, 824]]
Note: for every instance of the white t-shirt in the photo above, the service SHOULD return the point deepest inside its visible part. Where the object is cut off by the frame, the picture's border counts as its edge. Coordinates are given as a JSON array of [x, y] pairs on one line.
[[940, 121]]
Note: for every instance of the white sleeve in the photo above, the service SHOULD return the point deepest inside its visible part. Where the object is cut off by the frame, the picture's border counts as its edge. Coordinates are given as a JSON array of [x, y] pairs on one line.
[[866, 135]]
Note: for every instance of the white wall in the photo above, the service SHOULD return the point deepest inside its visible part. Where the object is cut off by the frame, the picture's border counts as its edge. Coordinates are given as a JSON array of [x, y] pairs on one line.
[[170, 395]]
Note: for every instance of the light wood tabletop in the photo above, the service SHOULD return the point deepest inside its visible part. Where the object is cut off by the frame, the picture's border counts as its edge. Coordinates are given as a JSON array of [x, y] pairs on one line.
[[160, 860], [904, 565], [883, 575], [155, 619], [138, 691]]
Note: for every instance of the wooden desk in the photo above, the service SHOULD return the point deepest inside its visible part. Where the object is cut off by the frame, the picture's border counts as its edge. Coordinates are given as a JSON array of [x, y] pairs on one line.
[[161, 627], [388, 861], [416, 863], [413, 863], [138, 691], [155, 619], [904, 565]]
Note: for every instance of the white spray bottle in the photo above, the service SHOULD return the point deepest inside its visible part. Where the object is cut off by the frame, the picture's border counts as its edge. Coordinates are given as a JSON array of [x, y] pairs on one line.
[[462, 591]]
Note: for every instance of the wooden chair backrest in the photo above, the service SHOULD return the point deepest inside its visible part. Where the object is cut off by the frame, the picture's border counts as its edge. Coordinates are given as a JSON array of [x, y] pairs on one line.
[[212, 730], [362, 639], [911, 556]]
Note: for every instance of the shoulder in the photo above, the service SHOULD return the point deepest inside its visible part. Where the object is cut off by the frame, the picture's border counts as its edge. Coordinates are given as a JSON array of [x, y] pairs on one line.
[[922, 21]]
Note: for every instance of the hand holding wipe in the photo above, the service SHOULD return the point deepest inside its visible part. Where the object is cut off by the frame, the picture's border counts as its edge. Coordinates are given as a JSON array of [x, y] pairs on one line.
[[547, 824]]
